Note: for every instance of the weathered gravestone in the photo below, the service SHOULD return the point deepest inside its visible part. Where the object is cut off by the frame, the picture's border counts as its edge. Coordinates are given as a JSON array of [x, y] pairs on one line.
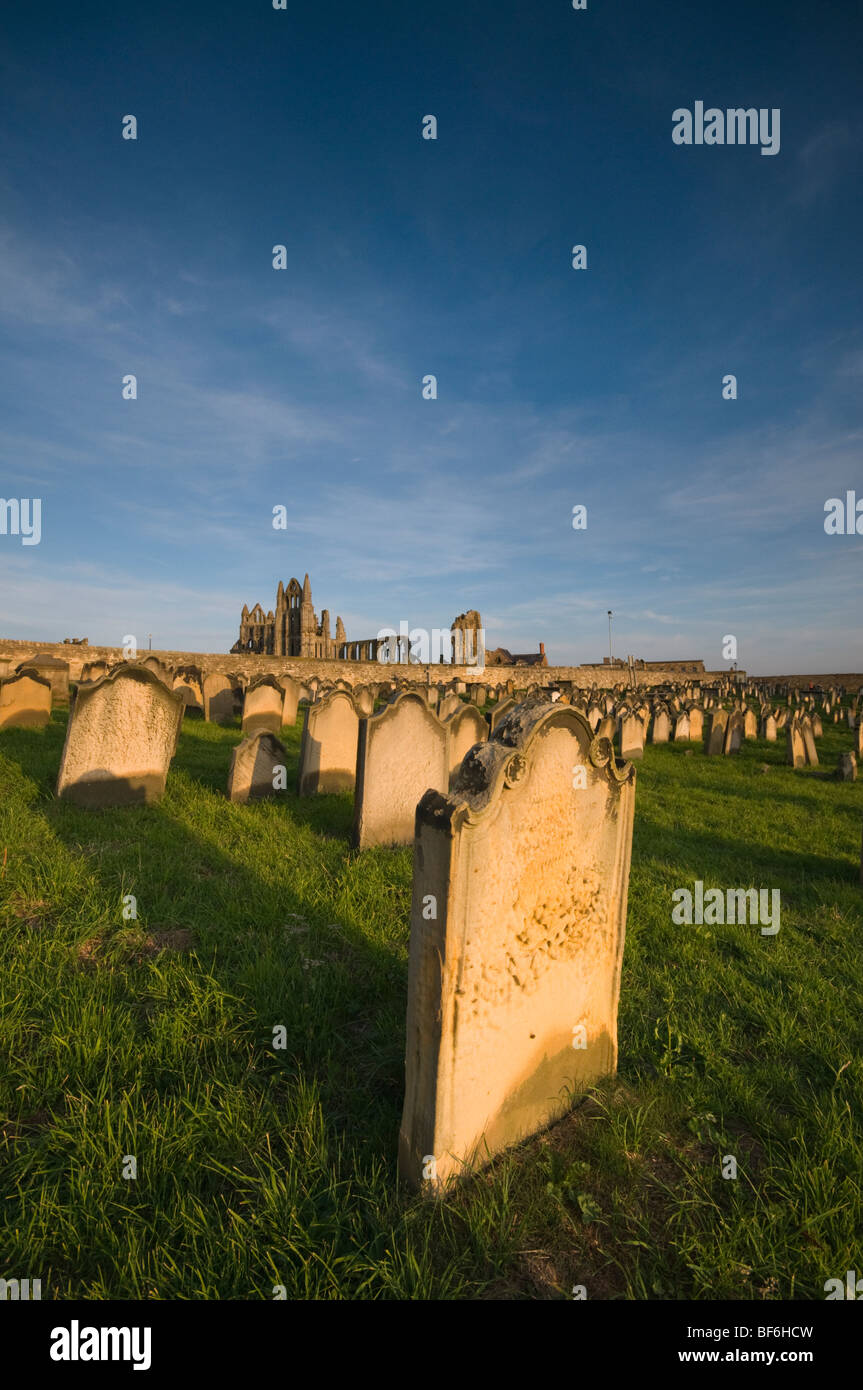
[[796, 749], [463, 729], [696, 722], [364, 700], [262, 707], [122, 734], [187, 684], [809, 741], [631, 737], [733, 732], [517, 926], [683, 727], [661, 726], [402, 753], [750, 724], [328, 751], [448, 705], [292, 691], [218, 697], [257, 768], [25, 701], [847, 769], [52, 669], [768, 728], [501, 710], [716, 737]]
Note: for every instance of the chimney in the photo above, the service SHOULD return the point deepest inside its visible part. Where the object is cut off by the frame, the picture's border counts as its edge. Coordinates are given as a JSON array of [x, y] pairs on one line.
[[542, 649]]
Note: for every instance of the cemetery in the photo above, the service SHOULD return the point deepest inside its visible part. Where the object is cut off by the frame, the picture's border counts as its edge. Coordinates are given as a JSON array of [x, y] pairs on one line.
[[376, 972]]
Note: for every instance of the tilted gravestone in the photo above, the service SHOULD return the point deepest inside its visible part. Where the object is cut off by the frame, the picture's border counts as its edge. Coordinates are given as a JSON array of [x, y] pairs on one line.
[[463, 729], [257, 768], [25, 701], [122, 734], [218, 696], [795, 748], [768, 728], [328, 751], [517, 925], [809, 741], [262, 707], [402, 752]]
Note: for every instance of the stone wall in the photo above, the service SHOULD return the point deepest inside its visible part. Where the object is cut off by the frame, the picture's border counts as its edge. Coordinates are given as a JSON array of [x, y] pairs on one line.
[[360, 672]]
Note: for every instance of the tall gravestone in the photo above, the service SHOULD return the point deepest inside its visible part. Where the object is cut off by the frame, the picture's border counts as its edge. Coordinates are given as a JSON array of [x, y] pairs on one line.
[[262, 707], [218, 697], [122, 734], [517, 926], [328, 751], [463, 729], [402, 752], [292, 690]]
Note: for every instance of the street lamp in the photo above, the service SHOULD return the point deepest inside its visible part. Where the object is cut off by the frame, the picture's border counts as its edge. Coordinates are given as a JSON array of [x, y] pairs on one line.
[[610, 658], [149, 641]]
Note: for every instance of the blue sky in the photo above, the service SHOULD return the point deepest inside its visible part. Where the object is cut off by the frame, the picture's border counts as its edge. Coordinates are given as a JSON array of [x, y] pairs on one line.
[[556, 387]]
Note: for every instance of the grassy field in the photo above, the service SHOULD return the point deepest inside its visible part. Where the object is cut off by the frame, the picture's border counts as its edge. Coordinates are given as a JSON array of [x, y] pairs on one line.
[[258, 1168]]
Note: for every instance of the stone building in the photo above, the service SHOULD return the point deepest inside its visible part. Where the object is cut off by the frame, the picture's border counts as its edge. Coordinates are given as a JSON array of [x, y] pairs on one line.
[[293, 630]]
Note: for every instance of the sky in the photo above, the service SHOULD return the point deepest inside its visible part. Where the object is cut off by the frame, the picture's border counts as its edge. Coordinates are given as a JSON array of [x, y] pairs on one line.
[[407, 257]]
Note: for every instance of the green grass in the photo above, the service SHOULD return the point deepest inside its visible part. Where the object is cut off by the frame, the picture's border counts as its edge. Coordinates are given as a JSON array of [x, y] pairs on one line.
[[258, 1168]]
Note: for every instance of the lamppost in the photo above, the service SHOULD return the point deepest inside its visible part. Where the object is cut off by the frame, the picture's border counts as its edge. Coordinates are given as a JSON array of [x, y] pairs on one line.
[[610, 658], [149, 641]]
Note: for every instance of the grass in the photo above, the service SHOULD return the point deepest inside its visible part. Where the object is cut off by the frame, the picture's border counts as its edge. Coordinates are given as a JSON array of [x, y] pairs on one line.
[[258, 1167]]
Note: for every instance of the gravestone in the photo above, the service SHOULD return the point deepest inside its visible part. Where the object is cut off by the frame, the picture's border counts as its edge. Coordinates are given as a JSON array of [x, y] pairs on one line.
[[364, 700], [750, 724], [328, 751], [52, 669], [262, 707], [517, 924], [795, 749], [847, 769], [257, 768], [631, 738], [501, 710], [463, 729], [290, 703], [402, 753], [768, 728], [448, 705], [696, 722], [607, 727], [733, 732], [716, 737], [93, 670], [122, 734], [218, 696], [25, 701], [683, 727], [187, 684], [661, 727], [809, 742]]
